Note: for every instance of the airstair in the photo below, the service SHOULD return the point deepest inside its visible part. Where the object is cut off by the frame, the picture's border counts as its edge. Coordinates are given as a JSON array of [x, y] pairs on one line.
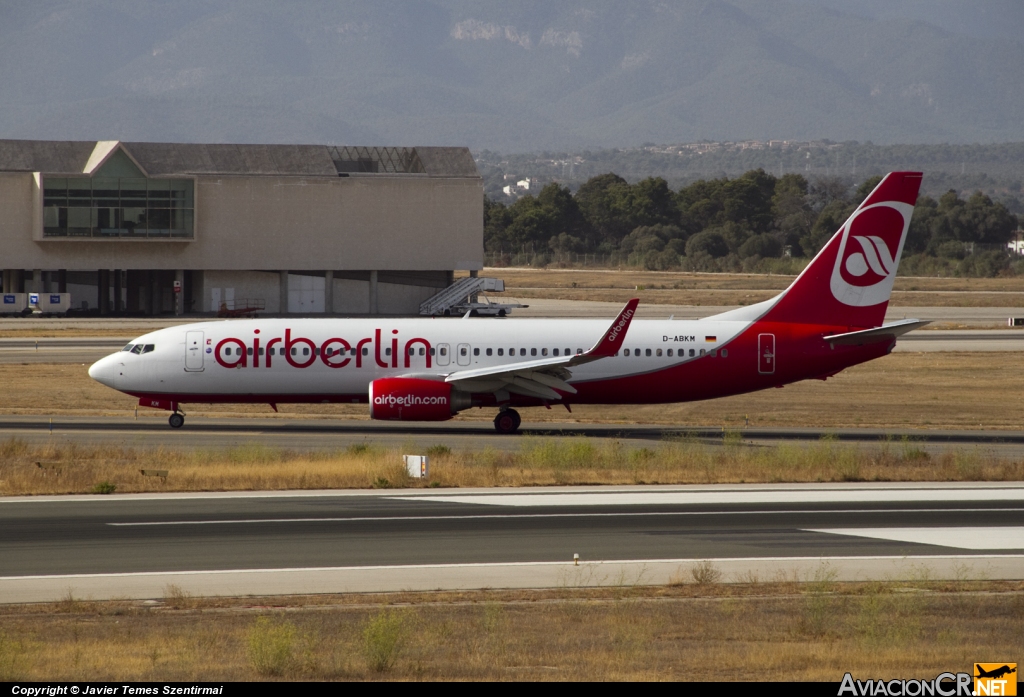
[[460, 298]]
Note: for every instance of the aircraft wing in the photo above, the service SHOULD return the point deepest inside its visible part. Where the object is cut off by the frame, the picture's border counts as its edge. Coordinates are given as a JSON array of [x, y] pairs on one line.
[[891, 331], [540, 378]]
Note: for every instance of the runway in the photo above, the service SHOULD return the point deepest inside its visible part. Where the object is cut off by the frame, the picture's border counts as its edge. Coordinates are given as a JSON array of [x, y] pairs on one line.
[[306, 542], [151, 431]]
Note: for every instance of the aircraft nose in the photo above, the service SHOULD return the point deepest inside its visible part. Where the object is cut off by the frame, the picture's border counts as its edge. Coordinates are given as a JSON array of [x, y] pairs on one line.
[[102, 371]]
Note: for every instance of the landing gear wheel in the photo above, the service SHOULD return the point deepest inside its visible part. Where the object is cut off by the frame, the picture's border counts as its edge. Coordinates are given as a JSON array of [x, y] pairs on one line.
[[176, 420], [507, 421]]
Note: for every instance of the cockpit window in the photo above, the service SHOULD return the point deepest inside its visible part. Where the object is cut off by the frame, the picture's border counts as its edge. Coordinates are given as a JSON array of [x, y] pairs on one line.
[[129, 347], [137, 348], [149, 348]]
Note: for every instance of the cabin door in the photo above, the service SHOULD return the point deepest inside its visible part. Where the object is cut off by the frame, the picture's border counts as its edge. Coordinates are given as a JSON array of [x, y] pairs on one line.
[[194, 348], [766, 354]]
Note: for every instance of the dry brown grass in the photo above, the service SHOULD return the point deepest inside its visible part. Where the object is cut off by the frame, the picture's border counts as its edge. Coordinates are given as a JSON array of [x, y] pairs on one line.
[[753, 631], [68, 469], [676, 288], [628, 279], [905, 390]]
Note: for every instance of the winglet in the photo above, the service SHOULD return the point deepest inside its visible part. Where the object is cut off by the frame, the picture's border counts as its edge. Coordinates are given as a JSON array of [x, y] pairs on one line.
[[613, 338]]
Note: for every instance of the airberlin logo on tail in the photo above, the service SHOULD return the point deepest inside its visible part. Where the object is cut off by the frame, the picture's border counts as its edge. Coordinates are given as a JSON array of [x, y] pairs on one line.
[[869, 252], [617, 329]]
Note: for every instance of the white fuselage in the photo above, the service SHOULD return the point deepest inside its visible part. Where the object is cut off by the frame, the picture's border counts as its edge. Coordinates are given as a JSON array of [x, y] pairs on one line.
[[205, 359]]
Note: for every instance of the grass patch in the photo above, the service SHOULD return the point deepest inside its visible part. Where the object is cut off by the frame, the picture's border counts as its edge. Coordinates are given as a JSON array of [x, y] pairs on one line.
[[383, 635], [540, 461], [757, 631], [271, 646]]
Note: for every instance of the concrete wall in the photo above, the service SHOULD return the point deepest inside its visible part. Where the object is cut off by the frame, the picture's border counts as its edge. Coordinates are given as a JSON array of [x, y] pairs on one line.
[[269, 223], [394, 299], [351, 297], [250, 285]]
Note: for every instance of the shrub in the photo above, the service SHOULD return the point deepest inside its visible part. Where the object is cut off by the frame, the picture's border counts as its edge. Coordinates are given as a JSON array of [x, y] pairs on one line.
[[705, 573], [383, 637], [104, 487], [271, 646], [439, 451]]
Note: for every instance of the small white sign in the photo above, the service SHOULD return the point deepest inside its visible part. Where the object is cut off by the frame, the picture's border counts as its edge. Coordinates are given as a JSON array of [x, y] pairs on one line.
[[418, 466]]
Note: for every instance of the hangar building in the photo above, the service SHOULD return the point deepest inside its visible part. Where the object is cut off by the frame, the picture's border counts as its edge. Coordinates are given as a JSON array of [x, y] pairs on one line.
[[158, 228]]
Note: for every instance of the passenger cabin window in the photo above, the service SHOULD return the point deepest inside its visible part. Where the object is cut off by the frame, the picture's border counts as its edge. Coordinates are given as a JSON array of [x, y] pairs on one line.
[[476, 352], [658, 352], [543, 352], [501, 352], [648, 352], [533, 352], [555, 352], [625, 352], [725, 353], [522, 352], [670, 353], [692, 353], [387, 352], [462, 352], [490, 351]]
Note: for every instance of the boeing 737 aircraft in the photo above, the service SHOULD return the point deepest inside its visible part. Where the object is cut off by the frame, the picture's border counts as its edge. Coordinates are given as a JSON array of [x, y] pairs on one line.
[[422, 369]]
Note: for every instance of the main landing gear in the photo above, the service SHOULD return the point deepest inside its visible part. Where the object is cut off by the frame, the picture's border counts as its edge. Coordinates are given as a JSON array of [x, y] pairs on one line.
[[507, 421], [177, 420]]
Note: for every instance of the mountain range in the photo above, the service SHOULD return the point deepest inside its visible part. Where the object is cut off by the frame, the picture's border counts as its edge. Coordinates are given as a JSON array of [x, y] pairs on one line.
[[513, 76]]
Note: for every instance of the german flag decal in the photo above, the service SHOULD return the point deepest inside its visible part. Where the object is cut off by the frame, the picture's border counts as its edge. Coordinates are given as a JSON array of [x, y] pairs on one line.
[[711, 338]]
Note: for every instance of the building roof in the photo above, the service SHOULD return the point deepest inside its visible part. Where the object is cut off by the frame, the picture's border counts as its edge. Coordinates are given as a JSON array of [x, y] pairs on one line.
[[183, 159]]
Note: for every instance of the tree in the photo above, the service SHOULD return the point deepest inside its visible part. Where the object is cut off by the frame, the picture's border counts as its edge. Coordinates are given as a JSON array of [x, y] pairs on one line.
[[763, 245], [709, 242], [829, 221]]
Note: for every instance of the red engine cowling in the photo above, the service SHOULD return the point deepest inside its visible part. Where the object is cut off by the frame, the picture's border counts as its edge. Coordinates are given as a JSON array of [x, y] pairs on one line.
[[411, 399]]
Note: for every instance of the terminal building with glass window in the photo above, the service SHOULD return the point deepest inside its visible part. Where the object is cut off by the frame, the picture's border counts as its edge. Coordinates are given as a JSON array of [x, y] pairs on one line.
[[167, 228]]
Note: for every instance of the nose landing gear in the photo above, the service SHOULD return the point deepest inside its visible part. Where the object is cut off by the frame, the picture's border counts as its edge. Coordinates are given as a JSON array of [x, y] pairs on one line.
[[177, 420], [507, 421]]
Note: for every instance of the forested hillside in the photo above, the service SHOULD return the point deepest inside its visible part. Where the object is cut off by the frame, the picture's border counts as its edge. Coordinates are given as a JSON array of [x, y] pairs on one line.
[[996, 169], [754, 222]]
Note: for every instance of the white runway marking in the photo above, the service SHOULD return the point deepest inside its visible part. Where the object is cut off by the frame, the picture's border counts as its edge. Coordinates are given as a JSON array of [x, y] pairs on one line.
[[960, 538], [501, 516], [690, 498]]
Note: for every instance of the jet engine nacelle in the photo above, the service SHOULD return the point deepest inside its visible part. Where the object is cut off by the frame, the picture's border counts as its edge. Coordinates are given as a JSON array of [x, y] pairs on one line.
[[414, 399]]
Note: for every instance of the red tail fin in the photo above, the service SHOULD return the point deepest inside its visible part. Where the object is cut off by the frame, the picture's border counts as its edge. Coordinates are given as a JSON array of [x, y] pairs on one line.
[[850, 280]]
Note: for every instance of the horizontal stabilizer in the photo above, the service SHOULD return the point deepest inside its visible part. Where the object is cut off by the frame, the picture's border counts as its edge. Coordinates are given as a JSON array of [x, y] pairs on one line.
[[887, 331]]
